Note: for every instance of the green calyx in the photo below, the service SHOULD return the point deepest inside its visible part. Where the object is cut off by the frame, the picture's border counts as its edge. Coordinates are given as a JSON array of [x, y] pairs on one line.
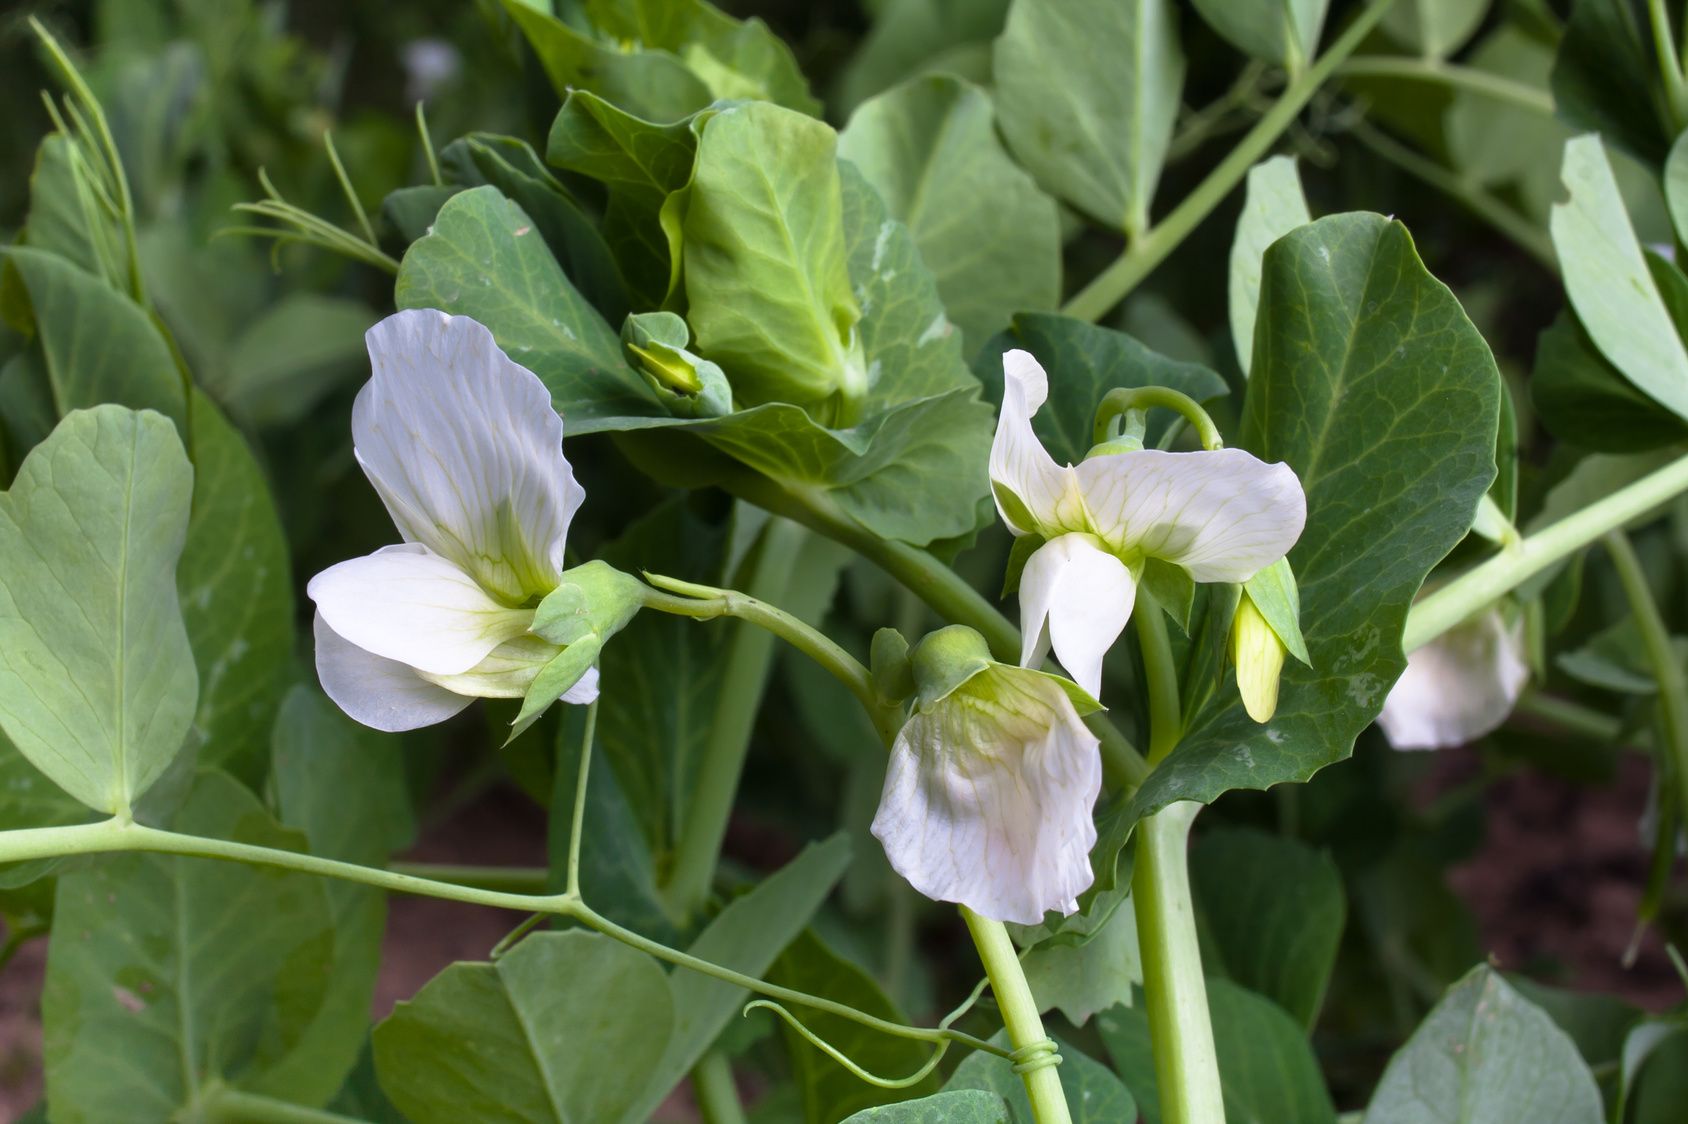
[[690, 385], [1278, 600], [890, 666], [591, 600], [957, 657]]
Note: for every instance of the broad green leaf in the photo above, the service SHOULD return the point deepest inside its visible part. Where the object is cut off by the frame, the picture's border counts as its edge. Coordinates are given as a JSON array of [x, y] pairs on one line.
[[1676, 186], [1282, 32], [829, 1090], [484, 259], [1608, 282], [1434, 28], [167, 974], [640, 164], [296, 352], [1373, 386], [1094, 1095], [914, 37], [746, 936], [236, 589], [953, 1106], [1267, 1071], [1087, 92], [1084, 362], [1597, 1024], [929, 147], [1605, 78], [1275, 910], [344, 787], [564, 1028], [408, 212], [1273, 207], [1496, 142], [97, 681], [1486, 1053], [766, 262], [1082, 979], [98, 344], [1583, 400]]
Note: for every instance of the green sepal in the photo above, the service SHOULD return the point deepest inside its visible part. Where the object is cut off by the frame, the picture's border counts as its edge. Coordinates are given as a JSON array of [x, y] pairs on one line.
[[893, 674], [593, 599], [1275, 594], [1018, 555], [562, 672], [947, 658], [1171, 587], [689, 385]]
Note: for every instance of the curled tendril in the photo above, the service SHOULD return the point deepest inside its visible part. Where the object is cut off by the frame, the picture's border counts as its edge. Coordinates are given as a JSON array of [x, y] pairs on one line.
[[844, 1060]]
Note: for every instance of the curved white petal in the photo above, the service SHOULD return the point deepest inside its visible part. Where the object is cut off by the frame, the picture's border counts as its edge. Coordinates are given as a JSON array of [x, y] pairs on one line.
[[408, 604], [585, 689], [466, 451], [1032, 492], [382, 694], [1221, 514], [988, 797], [1459, 686], [1076, 597], [506, 672]]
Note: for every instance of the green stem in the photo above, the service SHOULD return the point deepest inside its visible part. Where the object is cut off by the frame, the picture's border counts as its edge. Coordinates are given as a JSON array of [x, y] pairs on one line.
[[1526, 234], [1174, 988], [1035, 1059], [1110, 286], [1486, 582], [1121, 400], [1670, 66], [1450, 74], [1655, 640], [1572, 717], [516, 879], [222, 1105], [929, 579], [577, 824], [717, 1094]]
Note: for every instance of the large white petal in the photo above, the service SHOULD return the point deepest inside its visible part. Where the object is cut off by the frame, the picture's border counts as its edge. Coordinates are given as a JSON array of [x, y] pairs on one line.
[[988, 797], [1221, 514], [1077, 597], [409, 604], [1032, 492], [466, 451], [1459, 686], [380, 693]]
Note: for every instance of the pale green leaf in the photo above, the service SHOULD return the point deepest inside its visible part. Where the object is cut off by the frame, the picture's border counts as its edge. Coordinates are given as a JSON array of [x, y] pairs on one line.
[[97, 680], [953, 1106], [1273, 207], [1282, 32], [914, 37], [1676, 186], [1087, 92], [1082, 979], [1434, 28]]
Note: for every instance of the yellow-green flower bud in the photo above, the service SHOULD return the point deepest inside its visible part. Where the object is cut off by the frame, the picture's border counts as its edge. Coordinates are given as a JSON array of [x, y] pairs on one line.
[[1259, 658]]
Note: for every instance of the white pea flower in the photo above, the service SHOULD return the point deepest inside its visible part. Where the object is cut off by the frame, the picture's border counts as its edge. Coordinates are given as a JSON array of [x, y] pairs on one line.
[[1459, 686], [465, 450], [1221, 514], [989, 790]]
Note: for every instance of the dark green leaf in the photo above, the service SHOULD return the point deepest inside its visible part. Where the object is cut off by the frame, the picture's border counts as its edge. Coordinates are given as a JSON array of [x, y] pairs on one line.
[[1582, 399], [954, 1106], [1094, 1095], [1605, 78], [296, 351]]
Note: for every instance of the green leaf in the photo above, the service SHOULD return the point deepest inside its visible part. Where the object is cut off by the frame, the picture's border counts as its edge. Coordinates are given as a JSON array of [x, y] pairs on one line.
[[485, 260], [1605, 78], [185, 971], [1273, 207], [97, 682], [65, 217], [1496, 142], [1282, 32], [954, 1106], [1370, 382], [1583, 400], [98, 344], [914, 37], [1081, 979], [746, 936], [236, 589], [1085, 361], [640, 164], [1087, 92], [1676, 186], [766, 263], [1486, 1053], [344, 787], [1608, 282], [1275, 910], [1267, 1071], [1094, 1095], [831, 1092], [298, 350], [565, 1027], [652, 84], [929, 147], [1434, 28]]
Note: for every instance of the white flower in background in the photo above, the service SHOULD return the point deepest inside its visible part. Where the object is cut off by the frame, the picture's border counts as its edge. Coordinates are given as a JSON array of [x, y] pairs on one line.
[[1221, 514], [465, 450], [1459, 686], [989, 790]]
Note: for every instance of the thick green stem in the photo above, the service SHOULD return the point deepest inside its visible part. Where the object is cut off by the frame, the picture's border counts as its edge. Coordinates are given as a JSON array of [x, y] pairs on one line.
[[1174, 988], [1655, 641], [1450, 74], [1110, 286], [1035, 1058], [1486, 582], [516, 879], [717, 1094]]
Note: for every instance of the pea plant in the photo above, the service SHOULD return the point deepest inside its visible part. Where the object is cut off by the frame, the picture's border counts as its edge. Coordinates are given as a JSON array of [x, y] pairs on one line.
[[982, 541]]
